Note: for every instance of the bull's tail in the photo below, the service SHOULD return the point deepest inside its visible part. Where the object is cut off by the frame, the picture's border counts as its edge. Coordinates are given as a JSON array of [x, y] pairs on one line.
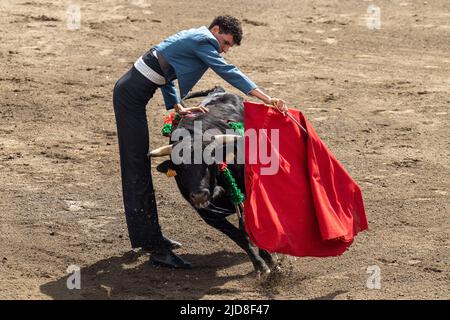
[[203, 93]]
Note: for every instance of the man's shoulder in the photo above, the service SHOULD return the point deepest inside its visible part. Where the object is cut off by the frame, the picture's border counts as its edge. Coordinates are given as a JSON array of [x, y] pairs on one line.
[[201, 36], [188, 37], [197, 34], [190, 42]]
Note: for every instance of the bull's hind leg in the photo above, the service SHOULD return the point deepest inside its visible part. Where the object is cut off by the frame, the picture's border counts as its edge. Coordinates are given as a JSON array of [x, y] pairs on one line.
[[241, 239]]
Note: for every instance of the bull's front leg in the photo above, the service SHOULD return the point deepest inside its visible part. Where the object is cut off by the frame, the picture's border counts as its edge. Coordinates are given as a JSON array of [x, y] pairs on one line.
[[269, 259], [239, 237], [265, 255]]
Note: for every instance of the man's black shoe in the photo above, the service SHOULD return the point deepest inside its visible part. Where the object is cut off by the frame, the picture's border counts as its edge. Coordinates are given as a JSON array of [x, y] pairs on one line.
[[172, 244], [166, 258], [166, 242]]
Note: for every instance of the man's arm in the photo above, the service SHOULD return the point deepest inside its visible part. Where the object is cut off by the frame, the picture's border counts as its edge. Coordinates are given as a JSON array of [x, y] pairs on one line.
[[230, 73], [275, 102], [170, 95], [172, 100]]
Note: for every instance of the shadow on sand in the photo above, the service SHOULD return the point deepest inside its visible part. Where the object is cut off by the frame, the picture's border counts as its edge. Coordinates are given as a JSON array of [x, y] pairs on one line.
[[131, 276]]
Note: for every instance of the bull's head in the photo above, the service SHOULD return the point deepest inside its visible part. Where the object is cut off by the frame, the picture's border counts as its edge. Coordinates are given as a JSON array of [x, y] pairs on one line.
[[198, 182]]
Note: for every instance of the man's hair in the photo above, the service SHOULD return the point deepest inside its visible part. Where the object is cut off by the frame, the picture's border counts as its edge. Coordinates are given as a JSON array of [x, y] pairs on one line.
[[229, 25]]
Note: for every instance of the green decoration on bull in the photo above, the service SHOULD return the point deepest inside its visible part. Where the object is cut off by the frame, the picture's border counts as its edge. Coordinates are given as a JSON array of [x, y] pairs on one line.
[[238, 127], [232, 188], [169, 123], [167, 129]]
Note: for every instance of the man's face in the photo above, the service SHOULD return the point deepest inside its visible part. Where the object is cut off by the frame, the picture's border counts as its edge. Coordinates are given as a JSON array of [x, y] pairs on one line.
[[226, 41]]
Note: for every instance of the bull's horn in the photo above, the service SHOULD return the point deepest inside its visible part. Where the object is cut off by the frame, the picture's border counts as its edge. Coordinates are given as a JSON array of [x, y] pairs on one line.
[[226, 138], [161, 151]]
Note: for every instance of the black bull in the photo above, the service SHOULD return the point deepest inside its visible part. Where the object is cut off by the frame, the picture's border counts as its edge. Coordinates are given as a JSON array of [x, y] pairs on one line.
[[202, 185]]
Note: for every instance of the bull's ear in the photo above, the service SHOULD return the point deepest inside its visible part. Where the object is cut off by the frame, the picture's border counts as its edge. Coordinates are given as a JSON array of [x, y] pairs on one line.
[[164, 166]]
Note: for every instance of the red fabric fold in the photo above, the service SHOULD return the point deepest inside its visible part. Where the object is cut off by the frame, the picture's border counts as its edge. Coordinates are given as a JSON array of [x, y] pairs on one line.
[[311, 206]]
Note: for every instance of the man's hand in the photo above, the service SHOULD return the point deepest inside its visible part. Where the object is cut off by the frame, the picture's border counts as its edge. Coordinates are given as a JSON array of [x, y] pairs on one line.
[[184, 111], [274, 102], [279, 104], [198, 108]]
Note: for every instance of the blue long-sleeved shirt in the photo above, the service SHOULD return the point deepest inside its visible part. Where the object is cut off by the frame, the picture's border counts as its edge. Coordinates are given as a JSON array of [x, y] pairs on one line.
[[190, 53]]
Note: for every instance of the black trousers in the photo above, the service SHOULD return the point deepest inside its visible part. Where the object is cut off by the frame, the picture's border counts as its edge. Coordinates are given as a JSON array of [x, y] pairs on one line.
[[131, 94]]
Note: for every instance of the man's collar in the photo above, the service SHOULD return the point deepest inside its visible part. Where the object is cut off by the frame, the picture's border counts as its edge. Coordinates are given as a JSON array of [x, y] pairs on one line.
[[213, 39]]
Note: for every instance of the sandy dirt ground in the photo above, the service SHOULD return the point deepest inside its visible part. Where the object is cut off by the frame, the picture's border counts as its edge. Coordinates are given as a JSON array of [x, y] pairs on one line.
[[378, 98]]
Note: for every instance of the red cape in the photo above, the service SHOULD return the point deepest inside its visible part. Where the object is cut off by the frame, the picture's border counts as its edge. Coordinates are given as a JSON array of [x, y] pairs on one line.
[[311, 206]]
